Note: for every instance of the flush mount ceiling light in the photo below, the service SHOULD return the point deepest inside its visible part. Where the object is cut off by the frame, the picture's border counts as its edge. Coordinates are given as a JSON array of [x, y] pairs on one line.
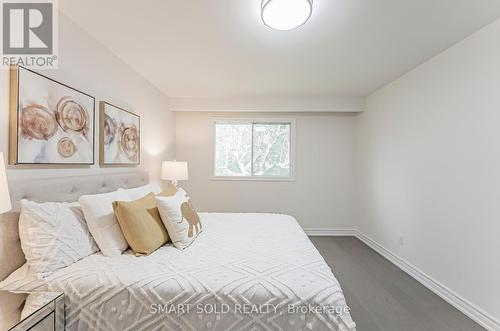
[[285, 15]]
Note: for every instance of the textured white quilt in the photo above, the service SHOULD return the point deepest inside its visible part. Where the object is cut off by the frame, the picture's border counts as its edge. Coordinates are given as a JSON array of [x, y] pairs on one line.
[[243, 272]]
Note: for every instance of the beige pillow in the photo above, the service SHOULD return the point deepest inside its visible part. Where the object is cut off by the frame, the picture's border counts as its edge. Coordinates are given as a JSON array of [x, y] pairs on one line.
[[141, 224], [180, 218]]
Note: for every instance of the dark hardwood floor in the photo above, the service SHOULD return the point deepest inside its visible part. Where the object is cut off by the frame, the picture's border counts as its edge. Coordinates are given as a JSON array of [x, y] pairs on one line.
[[381, 296]]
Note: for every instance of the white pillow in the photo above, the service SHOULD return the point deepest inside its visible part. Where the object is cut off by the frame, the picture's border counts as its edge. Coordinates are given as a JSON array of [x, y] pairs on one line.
[[140, 192], [180, 218], [18, 279], [53, 235], [98, 210]]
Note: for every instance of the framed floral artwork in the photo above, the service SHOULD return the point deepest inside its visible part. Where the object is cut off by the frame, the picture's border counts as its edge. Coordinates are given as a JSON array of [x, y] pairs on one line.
[[120, 138], [50, 122]]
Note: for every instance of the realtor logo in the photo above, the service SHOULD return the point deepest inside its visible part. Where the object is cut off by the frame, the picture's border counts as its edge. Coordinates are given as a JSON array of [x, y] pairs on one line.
[[29, 33]]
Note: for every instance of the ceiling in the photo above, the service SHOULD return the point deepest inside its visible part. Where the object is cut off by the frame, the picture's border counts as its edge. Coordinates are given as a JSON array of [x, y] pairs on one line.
[[220, 48]]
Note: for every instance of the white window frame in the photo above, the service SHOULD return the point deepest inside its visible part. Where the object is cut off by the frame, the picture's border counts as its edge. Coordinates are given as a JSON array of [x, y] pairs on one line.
[[238, 120]]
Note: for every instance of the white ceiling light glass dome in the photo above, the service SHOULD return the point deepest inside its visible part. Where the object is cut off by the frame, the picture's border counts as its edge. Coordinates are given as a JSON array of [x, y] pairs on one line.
[[286, 15]]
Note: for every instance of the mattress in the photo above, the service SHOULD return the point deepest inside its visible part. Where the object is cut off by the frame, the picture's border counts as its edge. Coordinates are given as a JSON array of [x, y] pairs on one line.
[[243, 272]]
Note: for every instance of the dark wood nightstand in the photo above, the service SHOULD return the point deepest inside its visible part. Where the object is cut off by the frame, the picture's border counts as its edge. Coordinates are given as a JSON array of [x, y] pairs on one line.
[[33, 311]]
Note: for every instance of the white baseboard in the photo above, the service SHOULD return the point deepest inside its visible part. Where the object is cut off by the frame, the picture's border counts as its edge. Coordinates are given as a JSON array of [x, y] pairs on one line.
[[466, 307], [317, 232]]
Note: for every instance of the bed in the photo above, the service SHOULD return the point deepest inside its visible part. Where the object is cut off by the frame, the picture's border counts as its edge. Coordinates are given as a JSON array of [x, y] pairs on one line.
[[243, 272]]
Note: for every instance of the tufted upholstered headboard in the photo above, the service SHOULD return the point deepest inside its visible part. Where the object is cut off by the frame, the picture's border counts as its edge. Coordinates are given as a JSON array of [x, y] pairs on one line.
[[66, 189]]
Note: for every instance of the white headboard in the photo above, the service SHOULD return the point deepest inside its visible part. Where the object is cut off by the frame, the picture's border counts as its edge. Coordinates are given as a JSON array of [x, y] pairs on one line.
[[66, 189]]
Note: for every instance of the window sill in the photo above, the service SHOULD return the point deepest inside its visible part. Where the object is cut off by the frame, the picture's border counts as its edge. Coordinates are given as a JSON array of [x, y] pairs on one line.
[[254, 179]]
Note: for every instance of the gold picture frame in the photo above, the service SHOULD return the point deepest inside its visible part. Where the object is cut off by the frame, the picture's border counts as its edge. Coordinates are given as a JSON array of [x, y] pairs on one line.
[[50, 123], [120, 136]]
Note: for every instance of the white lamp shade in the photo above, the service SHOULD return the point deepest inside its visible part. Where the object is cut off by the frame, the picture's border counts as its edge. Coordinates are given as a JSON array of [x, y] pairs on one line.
[[4, 188], [174, 170]]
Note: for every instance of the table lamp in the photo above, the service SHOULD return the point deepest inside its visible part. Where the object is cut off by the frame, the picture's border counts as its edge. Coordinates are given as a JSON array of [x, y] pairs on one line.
[[4, 188], [174, 171]]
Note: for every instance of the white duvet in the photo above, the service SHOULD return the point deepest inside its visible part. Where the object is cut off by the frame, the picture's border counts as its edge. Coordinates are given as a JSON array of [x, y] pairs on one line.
[[243, 272]]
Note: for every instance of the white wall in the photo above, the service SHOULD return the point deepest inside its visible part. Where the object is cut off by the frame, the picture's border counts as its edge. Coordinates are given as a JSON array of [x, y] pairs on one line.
[[428, 168], [321, 196], [88, 66]]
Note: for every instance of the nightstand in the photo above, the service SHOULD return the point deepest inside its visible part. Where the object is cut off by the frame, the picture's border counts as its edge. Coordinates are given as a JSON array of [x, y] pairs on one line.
[[33, 311]]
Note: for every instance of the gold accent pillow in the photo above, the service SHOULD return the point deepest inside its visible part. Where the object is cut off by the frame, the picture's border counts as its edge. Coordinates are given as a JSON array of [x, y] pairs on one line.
[[141, 224]]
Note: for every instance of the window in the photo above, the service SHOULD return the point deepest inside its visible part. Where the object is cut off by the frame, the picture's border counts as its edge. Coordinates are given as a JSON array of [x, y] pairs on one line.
[[253, 149]]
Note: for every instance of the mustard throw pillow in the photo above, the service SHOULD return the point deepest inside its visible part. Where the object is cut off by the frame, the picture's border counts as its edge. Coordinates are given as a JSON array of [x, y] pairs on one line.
[[141, 224]]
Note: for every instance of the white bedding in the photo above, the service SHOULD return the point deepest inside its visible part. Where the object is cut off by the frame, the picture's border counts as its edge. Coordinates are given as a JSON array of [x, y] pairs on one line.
[[259, 271]]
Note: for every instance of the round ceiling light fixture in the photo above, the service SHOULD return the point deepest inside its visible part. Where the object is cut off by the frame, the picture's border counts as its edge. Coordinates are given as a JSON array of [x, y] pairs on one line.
[[284, 15]]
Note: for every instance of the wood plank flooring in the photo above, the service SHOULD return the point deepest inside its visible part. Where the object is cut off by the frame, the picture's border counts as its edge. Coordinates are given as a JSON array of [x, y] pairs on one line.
[[381, 296]]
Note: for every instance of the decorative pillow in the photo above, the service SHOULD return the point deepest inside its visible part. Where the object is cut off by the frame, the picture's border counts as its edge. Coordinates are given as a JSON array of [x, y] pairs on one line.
[[180, 218], [142, 191], [102, 223], [53, 235], [170, 191], [141, 224], [18, 279]]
